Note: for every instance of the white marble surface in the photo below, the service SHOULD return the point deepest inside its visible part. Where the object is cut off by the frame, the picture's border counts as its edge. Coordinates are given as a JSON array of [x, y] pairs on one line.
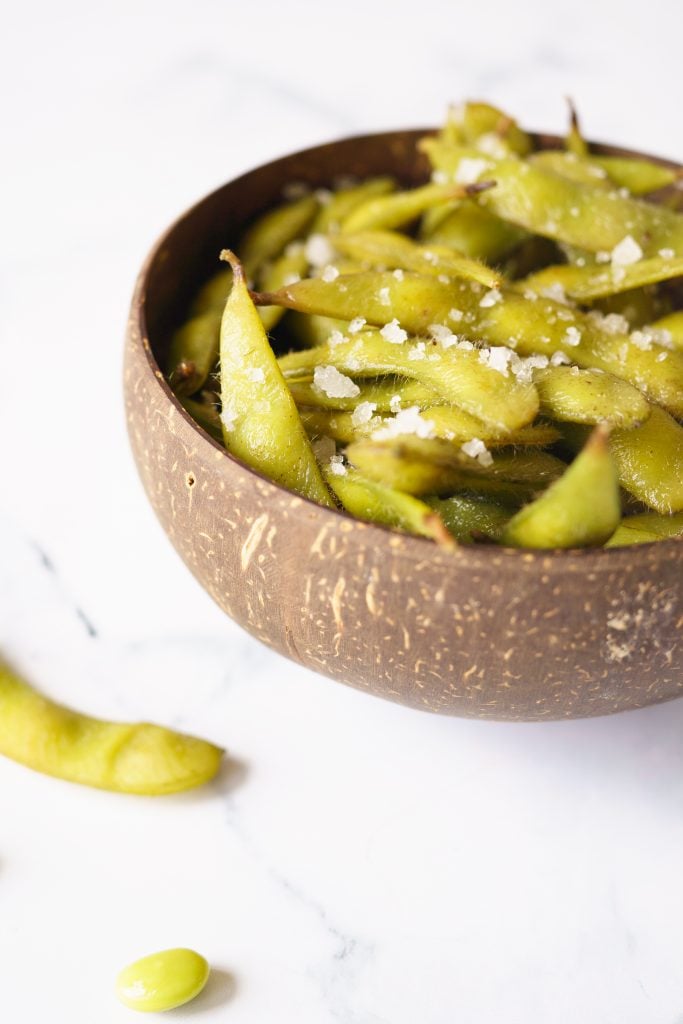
[[358, 863]]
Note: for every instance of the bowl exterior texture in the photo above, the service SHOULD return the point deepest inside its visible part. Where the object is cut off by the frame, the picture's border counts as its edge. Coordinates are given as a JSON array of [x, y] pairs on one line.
[[481, 631]]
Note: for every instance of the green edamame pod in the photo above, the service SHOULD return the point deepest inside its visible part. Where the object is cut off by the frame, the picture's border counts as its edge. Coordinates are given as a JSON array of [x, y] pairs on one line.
[[392, 211], [331, 217], [193, 352], [637, 176], [581, 509], [589, 396], [458, 375], [500, 318], [386, 394], [268, 237], [376, 503], [207, 416], [289, 267], [646, 528], [260, 421], [596, 282], [309, 329], [465, 516], [388, 249], [572, 212], [473, 231], [143, 759], [486, 127], [649, 459], [213, 294]]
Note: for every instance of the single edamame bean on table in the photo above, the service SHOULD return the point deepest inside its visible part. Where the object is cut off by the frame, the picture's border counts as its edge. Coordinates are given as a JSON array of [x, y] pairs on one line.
[[162, 981]]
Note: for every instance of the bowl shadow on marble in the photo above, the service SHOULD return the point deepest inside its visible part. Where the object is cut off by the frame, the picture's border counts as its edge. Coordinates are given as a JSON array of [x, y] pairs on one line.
[[481, 632]]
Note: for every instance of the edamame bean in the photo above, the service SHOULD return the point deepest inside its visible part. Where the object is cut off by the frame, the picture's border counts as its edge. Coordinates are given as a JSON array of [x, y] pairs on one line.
[[162, 981], [589, 396], [646, 528], [142, 759]]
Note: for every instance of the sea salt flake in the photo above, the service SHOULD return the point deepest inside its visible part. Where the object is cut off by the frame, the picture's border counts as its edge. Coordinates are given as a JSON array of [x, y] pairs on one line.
[[329, 273], [492, 145], [255, 374], [384, 296], [601, 257], [491, 298], [363, 413], [406, 421], [417, 351], [398, 274], [228, 418], [444, 279], [476, 449], [666, 254], [626, 252], [556, 292], [394, 333], [455, 315], [395, 403], [470, 170], [497, 358], [337, 467], [661, 357], [336, 338], [356, 325], [572, 336], [319, 250], [290, 279], [334, 384], [559, 358]]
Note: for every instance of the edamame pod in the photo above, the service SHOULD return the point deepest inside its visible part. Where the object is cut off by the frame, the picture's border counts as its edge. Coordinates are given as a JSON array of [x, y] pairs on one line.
[[473, 231], [646, 528], [193, 352], [268, 237], [649, 459], [486, 127], [596, 282], [290, 266], [581, 509], [144, 759], [392, 211], [673, 323], [377, 503], [260, 421], [345, 200], [458, 375], [589, 396], [465, 517], [207, 416], [386, 394], [637, 176], [391, 249]]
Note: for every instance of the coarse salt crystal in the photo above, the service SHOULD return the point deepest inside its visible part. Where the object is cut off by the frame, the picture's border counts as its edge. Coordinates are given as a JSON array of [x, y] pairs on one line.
[[337, 467], [559, 358], [228, 418], [363, 413], [290, 279], [384, 296], [455, 315], [497, 358], [394, 333], [335, 338], [417, 351], [329, 273], [356, 325], [491, 298], [476, 449], [255, 374], [666, 254], [626, 252], [491, 144], [469, 170], [398, 274], [395, 403], [444, 279], [439, 177], [442, 334], [572, 336], [556, 292], [406, 421], [319, 250], [334, 384], [602, 257], [661, 357]]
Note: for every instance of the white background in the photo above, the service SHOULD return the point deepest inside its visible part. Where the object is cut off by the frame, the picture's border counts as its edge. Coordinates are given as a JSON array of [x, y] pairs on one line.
[[356, 863]]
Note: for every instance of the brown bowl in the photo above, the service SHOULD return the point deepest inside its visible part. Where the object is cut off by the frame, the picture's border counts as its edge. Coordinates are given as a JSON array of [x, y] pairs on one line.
[[485, 632]]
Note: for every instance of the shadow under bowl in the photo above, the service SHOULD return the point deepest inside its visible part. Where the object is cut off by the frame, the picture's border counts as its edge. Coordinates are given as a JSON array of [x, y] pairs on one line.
[[480, 631]]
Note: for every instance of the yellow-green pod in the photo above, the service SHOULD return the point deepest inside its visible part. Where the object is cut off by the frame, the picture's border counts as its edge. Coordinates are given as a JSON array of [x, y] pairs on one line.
[[589, 396], [458, 375], [393, 211], [290, 266], [207, 416], [646, 528], [260, 421], [649, 459], [465, 516], [162, 981], [639, 177], [331, 216], [388, 249], [483, 125], [309, 329], [193, 352], [213, 294], [372, 501], [673, 324], [474, 231], [499, 318], [581, 509], [585, 284], [144, 759], [388, 394], [268, 237]]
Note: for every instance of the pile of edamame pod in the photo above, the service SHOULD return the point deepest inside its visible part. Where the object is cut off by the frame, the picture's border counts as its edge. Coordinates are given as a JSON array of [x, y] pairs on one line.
[[495, 356]]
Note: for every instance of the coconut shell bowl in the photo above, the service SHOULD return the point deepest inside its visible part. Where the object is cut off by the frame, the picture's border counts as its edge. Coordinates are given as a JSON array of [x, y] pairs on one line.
[[479, 631]]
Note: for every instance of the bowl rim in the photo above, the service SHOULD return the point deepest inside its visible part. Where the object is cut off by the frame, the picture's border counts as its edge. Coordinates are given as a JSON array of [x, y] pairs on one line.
[[558, 556]]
